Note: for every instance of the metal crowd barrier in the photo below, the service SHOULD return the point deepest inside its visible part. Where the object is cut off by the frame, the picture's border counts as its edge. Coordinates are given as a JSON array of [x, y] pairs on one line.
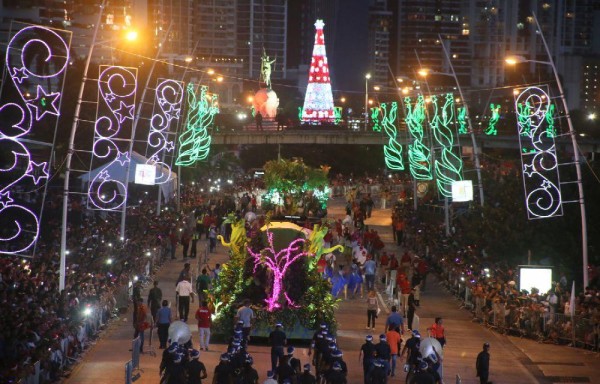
[[135, 353], [128, 372], [524, 321]]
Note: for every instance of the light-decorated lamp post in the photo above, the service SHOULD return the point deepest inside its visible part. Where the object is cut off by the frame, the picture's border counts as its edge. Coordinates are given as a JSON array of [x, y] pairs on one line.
[[70, 150], [367, 77], [512, 60], [468, 119]]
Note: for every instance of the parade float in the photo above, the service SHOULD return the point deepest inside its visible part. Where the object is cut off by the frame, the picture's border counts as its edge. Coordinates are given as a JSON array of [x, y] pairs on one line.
[[274, 265]]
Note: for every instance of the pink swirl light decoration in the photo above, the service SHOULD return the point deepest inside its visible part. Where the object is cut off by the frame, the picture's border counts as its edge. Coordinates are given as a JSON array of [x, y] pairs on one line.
[[112, 134], [36, 60], [160, 149]]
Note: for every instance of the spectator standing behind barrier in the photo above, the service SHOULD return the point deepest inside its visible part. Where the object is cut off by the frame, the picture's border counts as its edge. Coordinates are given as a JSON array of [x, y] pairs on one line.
[[163, 320], [482, 365], [185, 293], [154, 299]]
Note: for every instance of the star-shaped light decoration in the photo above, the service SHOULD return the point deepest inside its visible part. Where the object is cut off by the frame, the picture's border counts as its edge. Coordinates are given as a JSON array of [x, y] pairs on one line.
[[19, 75], [153, 160], [5, 199], [170, 146], [37, 171], [529, 170], [124, 112], [109, 97], [162, 101], [44, 103], [172, 112], [546, 184], [104, 176], [123, 158]]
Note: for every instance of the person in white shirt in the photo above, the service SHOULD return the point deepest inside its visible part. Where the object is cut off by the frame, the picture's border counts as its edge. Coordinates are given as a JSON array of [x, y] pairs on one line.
[[185, 292]]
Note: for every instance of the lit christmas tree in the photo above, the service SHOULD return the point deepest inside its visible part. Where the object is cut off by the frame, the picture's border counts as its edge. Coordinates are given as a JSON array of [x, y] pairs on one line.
[[318, 102]]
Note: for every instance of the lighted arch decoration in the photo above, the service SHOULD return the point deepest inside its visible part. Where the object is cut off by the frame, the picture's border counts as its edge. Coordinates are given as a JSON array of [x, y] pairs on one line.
[[393, 149], [448, 165], [541, 179], [36, 61], [166, 113], [194, 142], [419, 154], [112, 136]]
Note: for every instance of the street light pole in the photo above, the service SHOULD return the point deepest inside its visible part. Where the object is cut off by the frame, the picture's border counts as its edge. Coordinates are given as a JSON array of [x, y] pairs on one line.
[[70, 150], [472, 133], [367, 77], [133, 129], [584, 241]]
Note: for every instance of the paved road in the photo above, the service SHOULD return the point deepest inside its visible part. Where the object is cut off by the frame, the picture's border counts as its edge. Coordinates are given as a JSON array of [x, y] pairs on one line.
[[513, 360]]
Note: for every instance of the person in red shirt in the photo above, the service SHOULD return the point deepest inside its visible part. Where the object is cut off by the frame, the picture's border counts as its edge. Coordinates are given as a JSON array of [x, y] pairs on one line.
[[437, 331], [404, 289], [203, 315], [384, 261]]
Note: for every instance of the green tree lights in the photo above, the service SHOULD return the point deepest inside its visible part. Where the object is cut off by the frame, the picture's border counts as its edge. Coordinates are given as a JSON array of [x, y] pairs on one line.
[[448, 166], [392, 150], [194, 142], [419, 155]]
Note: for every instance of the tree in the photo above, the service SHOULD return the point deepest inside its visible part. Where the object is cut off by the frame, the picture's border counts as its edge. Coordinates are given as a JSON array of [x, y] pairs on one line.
[[289, 182]]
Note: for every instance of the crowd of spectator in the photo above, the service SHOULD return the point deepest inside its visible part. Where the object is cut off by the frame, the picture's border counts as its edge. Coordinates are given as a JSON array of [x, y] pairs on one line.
[[39, 324]]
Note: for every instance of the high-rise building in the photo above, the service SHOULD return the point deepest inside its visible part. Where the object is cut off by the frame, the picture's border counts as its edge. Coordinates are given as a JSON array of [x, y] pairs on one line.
[[380, 26], [262, 27], [416, 43], [172, 23]]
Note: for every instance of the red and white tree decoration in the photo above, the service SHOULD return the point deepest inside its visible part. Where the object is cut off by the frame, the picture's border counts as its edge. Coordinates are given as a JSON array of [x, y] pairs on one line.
[[318, 101], [278, 263]]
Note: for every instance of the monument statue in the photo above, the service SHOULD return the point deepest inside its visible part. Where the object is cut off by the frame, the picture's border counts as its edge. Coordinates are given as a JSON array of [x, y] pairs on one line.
[[265, 68]]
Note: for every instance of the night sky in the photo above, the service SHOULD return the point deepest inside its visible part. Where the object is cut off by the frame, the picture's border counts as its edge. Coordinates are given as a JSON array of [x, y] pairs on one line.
[[349, 59]]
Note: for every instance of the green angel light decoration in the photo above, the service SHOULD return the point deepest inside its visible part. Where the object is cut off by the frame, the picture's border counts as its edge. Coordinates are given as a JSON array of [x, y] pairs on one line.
[[194, 142], [491, 129], [337, 112], [375, 112], [462, 120], [419, 155], [448, 166], [392, 150]]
